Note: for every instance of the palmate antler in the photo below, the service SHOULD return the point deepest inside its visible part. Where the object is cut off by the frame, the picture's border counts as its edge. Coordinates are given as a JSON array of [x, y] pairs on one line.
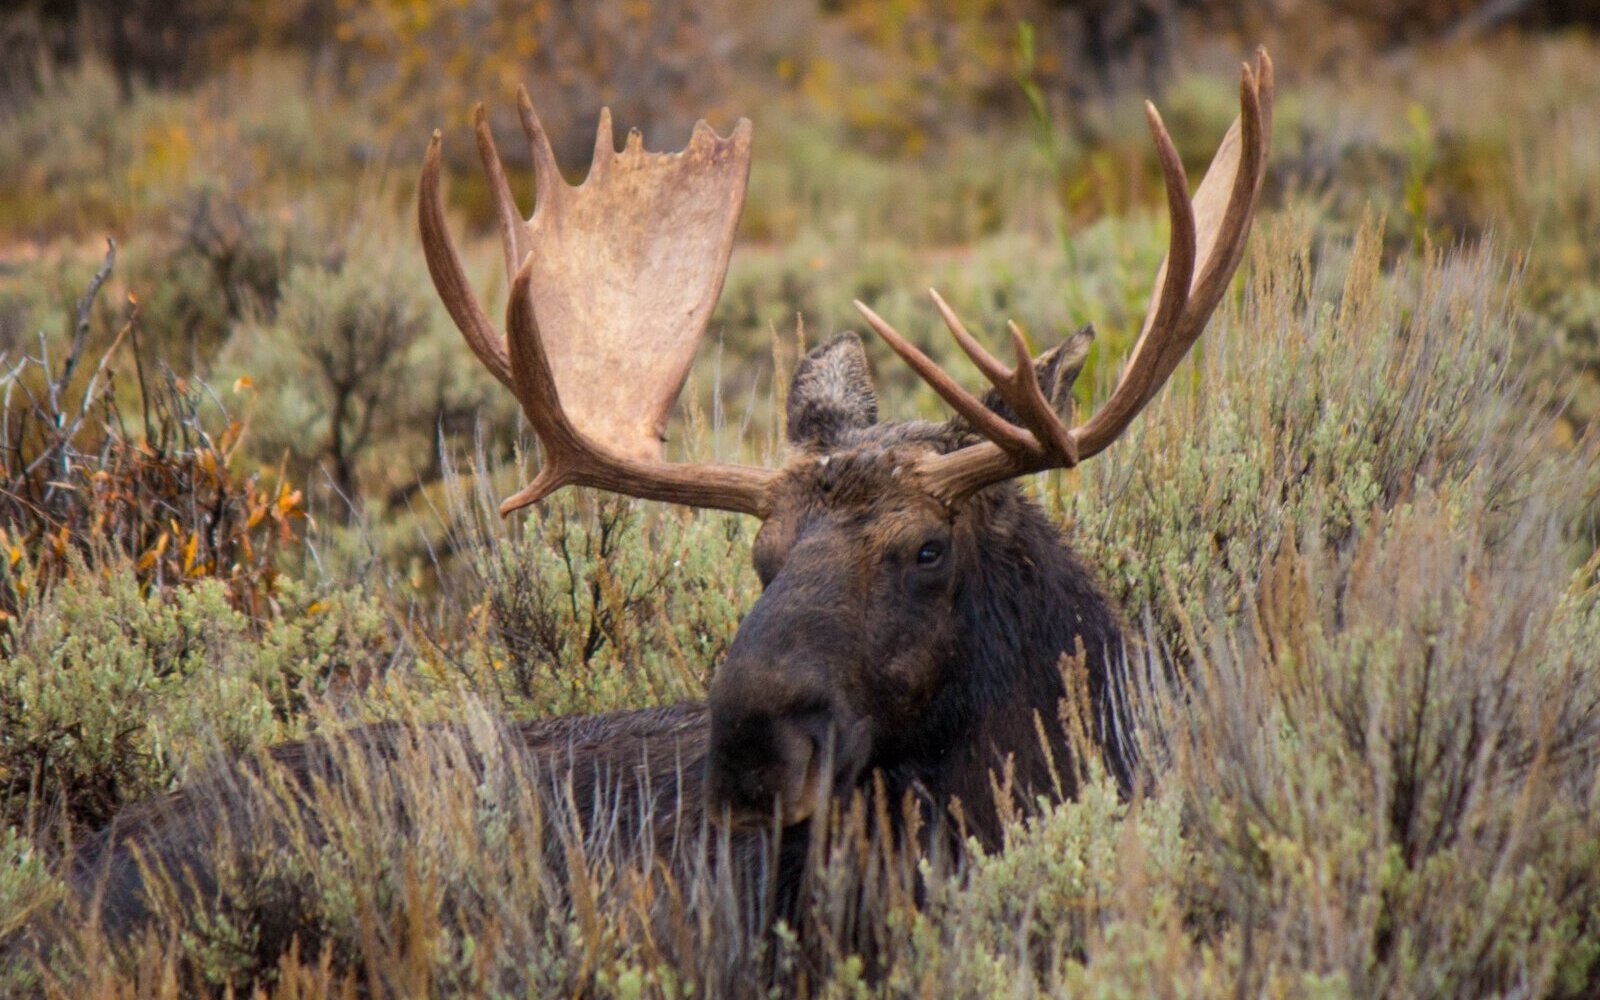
[[612, 283], [1206, 246]]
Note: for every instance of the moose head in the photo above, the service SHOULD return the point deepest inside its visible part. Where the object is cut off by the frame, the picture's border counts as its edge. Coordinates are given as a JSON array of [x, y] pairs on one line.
[[915, 605]]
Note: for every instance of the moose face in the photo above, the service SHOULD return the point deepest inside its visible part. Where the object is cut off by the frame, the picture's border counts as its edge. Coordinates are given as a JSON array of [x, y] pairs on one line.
[[853, 643], [849, 643]]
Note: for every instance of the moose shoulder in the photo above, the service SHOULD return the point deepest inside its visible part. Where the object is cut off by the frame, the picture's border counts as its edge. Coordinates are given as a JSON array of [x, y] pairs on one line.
[[916, 605]]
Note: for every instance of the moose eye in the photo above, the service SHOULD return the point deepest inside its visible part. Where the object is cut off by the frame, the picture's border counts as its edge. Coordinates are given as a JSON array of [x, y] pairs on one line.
[[930, 553]]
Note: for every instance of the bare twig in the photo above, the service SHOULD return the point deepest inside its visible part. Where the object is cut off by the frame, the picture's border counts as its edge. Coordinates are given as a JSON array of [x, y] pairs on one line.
[[57, 448], [100, 369], [80, 330]]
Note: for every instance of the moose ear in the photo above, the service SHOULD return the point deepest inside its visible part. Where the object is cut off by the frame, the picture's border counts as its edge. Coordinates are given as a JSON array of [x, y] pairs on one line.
[[1057, 369], [831, 394]]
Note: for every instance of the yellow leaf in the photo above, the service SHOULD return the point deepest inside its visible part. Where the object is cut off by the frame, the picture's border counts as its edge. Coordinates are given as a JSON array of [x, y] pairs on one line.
[[288, 501]]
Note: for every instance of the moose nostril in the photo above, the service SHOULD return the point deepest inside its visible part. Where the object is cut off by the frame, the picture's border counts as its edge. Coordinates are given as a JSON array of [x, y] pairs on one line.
[[801, 743], [815, 726], [763, 764]]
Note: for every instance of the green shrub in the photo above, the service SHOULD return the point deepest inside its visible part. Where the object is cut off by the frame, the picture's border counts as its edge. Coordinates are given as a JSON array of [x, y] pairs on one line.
[[110, 691], [1095, 876], [592, 605], [1331, 390], [347, 330], [1389, 761]]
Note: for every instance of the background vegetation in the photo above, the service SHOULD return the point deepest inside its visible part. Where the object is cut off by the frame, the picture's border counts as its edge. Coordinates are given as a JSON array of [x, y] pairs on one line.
[[248, 473]]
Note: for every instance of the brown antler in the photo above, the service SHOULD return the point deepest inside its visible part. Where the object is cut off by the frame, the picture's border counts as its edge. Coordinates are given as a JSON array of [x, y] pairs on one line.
[[1209, 231], [612, 283]]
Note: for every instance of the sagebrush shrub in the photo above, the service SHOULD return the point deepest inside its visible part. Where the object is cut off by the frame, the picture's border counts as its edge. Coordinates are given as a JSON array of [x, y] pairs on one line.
[[111, 691]]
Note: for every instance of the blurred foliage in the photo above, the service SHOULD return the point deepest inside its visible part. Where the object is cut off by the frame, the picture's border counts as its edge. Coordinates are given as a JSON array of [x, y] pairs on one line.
[[147, 42], [333, 353], [883, 68], [657, 65]]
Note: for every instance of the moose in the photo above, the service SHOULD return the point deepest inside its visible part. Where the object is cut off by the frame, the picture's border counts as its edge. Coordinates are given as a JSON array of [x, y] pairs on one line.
[[916, 605]]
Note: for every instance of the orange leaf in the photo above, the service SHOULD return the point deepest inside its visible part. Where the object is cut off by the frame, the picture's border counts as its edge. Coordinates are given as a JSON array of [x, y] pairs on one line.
[[153, 553]]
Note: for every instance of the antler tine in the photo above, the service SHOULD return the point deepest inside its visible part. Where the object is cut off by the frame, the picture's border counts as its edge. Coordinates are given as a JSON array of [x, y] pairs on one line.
[[1208, 232], [546, 172], [449, 278], [985, 421], [605, 144], [1222, 240], [1018, 386], [1167, 335], [1139, 380], [505, 205], [1226, 250]]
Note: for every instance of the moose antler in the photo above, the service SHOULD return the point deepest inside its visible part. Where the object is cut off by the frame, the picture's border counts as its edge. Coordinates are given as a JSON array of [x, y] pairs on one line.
[[612, 283], [1206, 246]]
